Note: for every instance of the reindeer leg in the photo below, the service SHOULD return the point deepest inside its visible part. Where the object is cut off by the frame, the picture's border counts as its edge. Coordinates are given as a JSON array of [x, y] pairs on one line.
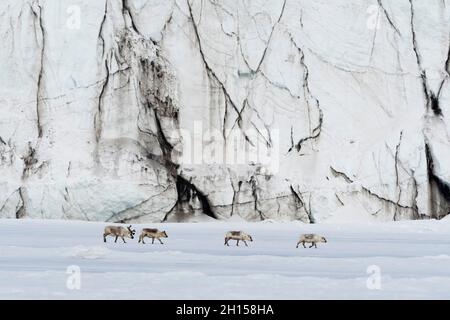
[[303, 244], [153, 240], [160, 241], [116, 239], [143, 240], [123, 240], [226, 241], [315, 245], [297, 244], [312, 245], [245, 243], [104, 237], [237, 243]]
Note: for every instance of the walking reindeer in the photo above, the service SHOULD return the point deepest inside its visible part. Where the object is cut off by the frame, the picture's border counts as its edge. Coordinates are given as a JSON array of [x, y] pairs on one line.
[[152, 233], [119, 231], [311, 238], [239, 236]]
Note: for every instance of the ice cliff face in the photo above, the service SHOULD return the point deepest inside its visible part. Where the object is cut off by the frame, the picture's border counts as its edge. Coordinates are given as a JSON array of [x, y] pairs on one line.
[[157, 110]]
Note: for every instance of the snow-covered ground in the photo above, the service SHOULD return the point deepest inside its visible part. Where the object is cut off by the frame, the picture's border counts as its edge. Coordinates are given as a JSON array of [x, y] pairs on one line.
[[413, 258]]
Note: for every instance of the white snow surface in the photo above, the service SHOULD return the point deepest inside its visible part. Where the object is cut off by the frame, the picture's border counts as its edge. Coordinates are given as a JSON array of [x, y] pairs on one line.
[[413, 258]]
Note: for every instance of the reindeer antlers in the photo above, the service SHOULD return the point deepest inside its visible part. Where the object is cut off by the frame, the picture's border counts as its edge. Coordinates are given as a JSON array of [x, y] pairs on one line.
[[131, 230]]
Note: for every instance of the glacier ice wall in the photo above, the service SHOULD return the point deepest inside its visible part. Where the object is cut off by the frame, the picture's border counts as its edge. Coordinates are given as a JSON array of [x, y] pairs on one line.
[[177, 110]]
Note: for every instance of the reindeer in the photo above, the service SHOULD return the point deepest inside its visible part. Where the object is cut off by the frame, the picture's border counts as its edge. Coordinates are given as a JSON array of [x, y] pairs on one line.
[[119, 231], [152, 233], [237, 235], [311, 238]]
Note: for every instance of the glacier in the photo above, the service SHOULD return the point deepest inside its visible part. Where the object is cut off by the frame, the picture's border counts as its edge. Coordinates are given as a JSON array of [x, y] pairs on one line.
[[193, 110]]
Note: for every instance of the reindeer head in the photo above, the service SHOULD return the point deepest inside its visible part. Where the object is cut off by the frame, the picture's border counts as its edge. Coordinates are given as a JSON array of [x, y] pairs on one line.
[[249, 237], [323, 239], [132, 231], [165, 234]]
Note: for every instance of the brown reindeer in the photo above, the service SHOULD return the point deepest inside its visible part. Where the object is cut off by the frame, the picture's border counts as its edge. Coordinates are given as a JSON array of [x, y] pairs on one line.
[[311, 238], [237, 235], [119, 231], [152, 233]]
